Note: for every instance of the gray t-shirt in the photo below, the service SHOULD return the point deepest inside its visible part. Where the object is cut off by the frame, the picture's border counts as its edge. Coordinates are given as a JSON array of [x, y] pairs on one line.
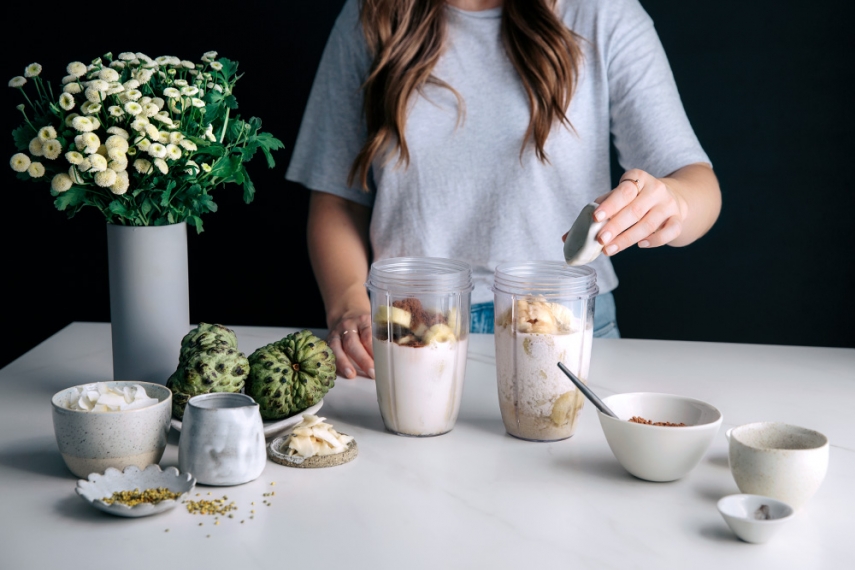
[[467, 193]]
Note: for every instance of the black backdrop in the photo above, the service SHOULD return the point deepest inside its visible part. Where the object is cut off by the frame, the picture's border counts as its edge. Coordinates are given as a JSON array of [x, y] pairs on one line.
[[763, 83]]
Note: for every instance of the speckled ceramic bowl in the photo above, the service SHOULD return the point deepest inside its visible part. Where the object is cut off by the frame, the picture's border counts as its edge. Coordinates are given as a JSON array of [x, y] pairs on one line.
[[90, 442]]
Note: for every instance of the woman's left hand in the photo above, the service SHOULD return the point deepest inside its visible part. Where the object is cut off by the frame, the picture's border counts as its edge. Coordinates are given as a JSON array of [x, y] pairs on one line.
[[642, 209]]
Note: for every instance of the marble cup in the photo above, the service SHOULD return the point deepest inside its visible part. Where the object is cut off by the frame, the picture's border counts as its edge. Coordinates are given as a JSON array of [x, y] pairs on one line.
[[90, 442], [222, 439], [778, 460]]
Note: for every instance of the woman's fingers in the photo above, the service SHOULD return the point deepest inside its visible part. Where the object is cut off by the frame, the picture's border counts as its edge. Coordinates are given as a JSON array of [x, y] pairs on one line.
[[668, 232], [343, 365], [644, 229], [352, 342]]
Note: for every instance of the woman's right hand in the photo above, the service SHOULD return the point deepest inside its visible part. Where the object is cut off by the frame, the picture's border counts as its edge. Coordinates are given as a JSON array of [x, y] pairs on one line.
[[350, 340]]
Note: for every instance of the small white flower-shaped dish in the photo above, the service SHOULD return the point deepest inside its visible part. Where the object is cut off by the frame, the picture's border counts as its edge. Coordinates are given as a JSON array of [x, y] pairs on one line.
[[97, 487], [746, 515]]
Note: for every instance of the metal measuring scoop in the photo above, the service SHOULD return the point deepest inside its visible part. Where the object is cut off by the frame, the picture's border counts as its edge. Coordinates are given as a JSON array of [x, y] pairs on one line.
[[581, 245]]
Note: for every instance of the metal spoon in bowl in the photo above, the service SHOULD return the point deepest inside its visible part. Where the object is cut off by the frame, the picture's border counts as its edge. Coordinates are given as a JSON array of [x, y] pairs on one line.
[[587, 391]]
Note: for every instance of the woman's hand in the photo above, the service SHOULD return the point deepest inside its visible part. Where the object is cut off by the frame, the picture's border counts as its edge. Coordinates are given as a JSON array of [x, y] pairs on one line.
[[649, 211], [350, 340]]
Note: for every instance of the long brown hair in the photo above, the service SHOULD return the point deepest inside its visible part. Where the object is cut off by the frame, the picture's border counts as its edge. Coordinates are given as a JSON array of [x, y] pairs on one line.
[[406, 39]]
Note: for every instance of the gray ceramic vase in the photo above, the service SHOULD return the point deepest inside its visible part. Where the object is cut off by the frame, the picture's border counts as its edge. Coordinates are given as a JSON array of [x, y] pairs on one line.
[[222, 439], [149, 299]]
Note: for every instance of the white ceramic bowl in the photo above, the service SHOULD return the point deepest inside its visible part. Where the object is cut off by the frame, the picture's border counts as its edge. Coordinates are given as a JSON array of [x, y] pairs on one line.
[[740, 514], [659, 453], [97, 487], [90, 442]]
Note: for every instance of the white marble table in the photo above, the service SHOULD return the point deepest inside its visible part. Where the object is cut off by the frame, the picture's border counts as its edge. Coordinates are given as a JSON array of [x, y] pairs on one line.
[[473, 498]]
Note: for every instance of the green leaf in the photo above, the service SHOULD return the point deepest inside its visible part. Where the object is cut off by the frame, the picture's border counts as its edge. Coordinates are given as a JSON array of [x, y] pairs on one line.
[[146, 206], [22, 136], [212, 112], [164, 198], [196, 221], [225, 167], [248, 187], [213, 150], [269, 143], [231, 102], [229, 67], [119, 209], [71, 198]]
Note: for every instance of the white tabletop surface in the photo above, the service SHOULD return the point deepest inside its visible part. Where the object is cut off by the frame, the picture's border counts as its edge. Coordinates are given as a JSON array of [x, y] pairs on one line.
[[473, 498]]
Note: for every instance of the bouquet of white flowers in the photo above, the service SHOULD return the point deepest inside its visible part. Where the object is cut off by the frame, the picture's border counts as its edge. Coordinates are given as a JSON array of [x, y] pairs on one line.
[[143, 140]]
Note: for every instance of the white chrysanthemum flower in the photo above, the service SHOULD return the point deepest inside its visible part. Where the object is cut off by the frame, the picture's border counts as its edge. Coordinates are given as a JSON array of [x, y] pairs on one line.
[[115, 88], [69, 79], [35, 147], [108, 74], [175, 137], [193, 72], [115, 141], [133, 108], [216, 66], [105, 178], [142, 166], [118, 165], [180, 83], [142, 56], [206, 167], [134, 94], [161, 165], [74, 157], [131, 84], [196, 102], [143, 75], [52, 149], [119, 131], [163, 60], [61, 182], [171, 92], [117, 153], [92, 95], [76, 68], [139, 124], [150, 110], [20, 162], [188, 145], [66, 101], [217, 88], [127, 56], [152, 131], [191, 168], [173, 152], [36, 169], [145, 100], [134, 62], [209, 133], [157, 150], [98, 84], [163, 138], [79, 142], [83, 124], [163, 118], [47, 133], [90, 108], [209, 56], [159, 102], [117, 64], [115, 111], [144, 145], [189, 91], [176, 105], [32, 70], [97, 163], [92, 142], [95, 122], [122, 183], [17, 82], [187, 64]]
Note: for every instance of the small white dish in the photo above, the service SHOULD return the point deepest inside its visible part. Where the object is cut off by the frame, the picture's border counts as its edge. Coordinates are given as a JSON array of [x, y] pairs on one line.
[[746, 515], [273, 427], [94, 489]]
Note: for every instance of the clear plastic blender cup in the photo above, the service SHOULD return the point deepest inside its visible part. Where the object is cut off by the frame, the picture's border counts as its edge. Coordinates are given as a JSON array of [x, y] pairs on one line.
[[544, 315], [420, 311]]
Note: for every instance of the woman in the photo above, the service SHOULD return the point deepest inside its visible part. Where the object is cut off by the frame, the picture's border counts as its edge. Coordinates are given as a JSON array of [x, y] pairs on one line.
[[477, 130]]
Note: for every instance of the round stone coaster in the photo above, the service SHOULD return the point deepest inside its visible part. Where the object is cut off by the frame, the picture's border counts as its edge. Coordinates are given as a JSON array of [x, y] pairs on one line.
[[276, 452]]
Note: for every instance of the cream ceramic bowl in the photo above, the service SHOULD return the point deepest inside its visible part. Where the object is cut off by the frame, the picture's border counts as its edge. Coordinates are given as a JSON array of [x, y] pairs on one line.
[[659, 453], [90, 442]]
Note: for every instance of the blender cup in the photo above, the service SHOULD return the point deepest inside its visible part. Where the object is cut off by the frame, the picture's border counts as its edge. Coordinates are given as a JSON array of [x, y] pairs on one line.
[[420, 308], [544, 315]]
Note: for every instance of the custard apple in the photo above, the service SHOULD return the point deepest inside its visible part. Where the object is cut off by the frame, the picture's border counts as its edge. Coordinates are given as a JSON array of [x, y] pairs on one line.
[[290, 375], [209, 362]]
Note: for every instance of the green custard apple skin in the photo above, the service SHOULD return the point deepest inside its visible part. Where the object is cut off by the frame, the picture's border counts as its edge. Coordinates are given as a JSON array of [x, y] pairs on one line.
[[209, 362], [290, 375]]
